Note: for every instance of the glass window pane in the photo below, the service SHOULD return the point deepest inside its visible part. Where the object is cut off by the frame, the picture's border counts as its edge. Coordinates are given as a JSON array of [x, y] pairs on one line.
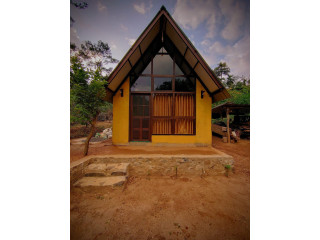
[[183, 84], [145, 134], [137, 100], [162, 50], [146, 111], [136, 134], [136, 123], [146, 100], [145, 123], [137, 110], [162, 84], [163, 64], [178, 71], [141, 84]]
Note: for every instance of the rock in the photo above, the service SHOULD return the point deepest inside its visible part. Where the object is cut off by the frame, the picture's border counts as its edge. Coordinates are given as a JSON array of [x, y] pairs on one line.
[[103, 135]]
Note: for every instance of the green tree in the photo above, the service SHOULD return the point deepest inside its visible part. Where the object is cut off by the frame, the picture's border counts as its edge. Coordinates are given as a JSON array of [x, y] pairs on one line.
[[80, 5], [231, 79], [222, 70], [88, 79], [86, 97], [240, 94], [238, 87], [94, 56]]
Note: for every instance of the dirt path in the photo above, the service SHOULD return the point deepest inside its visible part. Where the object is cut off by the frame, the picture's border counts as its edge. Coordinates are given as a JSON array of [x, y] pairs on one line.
[[239, 151], [164, 208]]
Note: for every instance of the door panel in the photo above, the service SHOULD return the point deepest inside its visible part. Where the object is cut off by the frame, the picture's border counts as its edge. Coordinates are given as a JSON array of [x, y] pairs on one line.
[[140, 117]]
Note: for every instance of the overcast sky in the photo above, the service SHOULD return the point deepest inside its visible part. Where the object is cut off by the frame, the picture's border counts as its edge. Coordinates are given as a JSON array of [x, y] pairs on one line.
[[219, 29]]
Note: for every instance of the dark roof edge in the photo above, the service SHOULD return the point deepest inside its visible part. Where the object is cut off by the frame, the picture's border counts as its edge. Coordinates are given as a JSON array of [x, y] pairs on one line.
[[231, 104]]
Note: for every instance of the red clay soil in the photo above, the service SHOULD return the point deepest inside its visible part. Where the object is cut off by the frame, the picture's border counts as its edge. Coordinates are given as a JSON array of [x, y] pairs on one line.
[[213, 207]]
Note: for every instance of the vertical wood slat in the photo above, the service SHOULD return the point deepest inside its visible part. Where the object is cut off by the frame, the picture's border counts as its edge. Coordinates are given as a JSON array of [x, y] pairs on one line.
[[184, 108], [167, 105], [162, 106]]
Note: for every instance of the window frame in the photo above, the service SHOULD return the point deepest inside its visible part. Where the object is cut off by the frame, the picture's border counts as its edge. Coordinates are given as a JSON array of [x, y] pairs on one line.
[[172, 92]]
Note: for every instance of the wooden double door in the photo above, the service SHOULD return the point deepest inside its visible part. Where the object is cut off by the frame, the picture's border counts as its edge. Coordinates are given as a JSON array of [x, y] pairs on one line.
[[140, 120]]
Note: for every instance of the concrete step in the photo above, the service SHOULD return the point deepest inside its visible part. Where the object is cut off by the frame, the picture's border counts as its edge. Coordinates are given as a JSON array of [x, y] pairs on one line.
[[96, 170], [118, 169], [101, 181], [104, 170]]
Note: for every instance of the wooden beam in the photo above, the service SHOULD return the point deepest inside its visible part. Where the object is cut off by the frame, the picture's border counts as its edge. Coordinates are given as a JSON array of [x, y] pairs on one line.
[[108, 89], [228, 123], [185, 52], [195, 65], [217, 91], [140, 50], [130, 63], [141, 54]]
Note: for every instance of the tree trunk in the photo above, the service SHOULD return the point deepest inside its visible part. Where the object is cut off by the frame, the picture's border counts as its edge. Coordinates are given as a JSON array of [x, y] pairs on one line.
[[228, 123], [86, 145]]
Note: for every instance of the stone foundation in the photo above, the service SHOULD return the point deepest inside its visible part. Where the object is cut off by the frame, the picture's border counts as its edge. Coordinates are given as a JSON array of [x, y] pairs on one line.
[[159, 165]]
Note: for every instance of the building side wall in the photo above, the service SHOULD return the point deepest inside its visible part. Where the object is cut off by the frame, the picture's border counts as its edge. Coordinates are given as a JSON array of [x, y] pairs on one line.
[[120, 121], [203, 123]]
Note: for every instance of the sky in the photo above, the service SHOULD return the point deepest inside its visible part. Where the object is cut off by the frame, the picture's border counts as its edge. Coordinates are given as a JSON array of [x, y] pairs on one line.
[[219, 29]]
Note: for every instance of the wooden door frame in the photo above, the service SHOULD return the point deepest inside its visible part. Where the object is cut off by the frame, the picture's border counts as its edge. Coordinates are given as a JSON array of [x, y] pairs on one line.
[[131, 118]]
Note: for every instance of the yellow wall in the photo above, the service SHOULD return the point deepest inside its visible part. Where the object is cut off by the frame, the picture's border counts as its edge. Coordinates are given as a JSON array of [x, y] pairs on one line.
[[203, 123], [203, 120], [120, 131]]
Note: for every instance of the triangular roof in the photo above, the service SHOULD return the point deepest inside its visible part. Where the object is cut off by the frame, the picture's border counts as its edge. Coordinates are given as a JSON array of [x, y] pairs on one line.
[[164, 24]]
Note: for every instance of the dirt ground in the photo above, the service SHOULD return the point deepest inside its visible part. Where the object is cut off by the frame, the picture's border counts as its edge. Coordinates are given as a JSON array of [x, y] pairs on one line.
[[214, 207]]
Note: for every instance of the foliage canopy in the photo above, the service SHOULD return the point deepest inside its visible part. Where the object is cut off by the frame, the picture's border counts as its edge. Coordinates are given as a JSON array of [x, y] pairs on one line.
[[88, 79], [86, 97], [238, 87]]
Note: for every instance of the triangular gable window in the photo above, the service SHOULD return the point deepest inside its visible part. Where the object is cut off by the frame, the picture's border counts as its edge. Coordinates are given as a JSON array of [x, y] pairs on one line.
[[167, 70], [162, 65]]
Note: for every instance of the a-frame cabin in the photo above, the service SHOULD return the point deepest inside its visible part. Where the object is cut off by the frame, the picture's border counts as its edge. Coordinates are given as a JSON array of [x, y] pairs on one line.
[[162, 89]]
